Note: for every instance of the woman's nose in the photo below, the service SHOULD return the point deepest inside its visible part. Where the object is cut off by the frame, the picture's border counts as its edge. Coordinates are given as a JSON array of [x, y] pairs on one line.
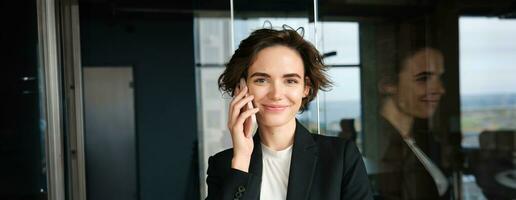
[[276, 91], [437, 88]]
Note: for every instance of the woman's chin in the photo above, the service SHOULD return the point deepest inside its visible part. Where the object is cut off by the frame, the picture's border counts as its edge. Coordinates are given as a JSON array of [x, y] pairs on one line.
[[274, 121]]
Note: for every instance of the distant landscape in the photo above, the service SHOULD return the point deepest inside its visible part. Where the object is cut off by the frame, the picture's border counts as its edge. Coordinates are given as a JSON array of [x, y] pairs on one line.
[[486, 112], [493, 101]]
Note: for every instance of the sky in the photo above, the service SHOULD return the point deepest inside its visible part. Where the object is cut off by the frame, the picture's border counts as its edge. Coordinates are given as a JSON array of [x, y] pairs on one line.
[[487, 55]]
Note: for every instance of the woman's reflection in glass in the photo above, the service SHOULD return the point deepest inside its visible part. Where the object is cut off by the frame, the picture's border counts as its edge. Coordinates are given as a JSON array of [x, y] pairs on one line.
[[410, 91]]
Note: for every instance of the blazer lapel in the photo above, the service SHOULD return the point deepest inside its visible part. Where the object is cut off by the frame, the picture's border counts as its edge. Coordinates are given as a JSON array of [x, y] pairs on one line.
[[255, 168], [302, 164]]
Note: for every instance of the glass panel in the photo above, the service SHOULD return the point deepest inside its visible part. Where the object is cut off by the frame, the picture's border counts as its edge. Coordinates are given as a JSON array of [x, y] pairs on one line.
[[488, 104], [340, 38], [339, 44], [340, 110], [405, 64], [403, 149], [23, 169], [213, 42], [213, 35], [488, 86]]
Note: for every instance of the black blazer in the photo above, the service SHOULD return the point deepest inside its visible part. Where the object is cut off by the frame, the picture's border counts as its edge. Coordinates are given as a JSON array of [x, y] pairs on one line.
[[405, 177], [321, 168]]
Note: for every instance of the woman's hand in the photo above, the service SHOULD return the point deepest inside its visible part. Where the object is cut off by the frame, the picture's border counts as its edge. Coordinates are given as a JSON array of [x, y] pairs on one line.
[[240, 124]]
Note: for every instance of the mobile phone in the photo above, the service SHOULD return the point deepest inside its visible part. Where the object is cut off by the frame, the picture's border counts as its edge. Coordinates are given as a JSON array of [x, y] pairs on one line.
[[249, 106]]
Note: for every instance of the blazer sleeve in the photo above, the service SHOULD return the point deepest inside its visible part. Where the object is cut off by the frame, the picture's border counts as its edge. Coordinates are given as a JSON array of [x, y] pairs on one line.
[[226, 183], [355, 184]]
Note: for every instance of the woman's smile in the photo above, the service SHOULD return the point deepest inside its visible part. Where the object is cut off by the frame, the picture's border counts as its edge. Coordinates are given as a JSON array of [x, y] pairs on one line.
[[274, 107]]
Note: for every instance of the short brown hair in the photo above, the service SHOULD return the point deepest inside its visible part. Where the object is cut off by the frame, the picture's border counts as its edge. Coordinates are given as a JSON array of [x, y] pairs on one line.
[[260, 39]]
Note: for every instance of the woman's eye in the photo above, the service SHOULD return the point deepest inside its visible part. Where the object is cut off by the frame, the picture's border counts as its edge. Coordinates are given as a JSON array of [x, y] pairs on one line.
[[260, 80], [292, 81], [422, 79]]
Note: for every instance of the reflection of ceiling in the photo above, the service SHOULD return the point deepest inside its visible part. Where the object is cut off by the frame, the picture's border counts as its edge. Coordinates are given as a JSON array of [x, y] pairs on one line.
[[500, 8], [327, 8]]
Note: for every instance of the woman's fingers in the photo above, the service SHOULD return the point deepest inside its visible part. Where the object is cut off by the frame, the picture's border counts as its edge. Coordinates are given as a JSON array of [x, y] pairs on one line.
[[239, 94], [237, 108], [244, 116], [235, 93], [238, 113], [241, 112]]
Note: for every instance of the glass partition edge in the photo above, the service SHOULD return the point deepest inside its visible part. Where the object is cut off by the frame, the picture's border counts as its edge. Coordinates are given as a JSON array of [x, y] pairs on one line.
[[53, 130]]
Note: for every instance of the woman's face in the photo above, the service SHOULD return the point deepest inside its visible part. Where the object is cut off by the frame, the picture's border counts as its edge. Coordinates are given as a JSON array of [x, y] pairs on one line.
[[276, 79], [419, 86]]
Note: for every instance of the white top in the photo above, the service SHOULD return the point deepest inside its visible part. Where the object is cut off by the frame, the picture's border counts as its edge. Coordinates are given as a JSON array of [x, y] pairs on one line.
[[440, 180], [276, 168]]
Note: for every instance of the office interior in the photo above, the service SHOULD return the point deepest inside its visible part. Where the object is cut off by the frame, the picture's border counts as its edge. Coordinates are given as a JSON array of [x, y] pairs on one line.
[[112, 99]]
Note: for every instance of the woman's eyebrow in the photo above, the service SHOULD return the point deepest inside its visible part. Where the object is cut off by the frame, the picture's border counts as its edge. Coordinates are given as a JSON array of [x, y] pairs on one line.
[[291, 75], [268, 76], [259, 74], [424, 73]]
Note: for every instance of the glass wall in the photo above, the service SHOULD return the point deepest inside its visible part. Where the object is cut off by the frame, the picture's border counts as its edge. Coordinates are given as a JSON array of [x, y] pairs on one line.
[[488, 95], [213, 48], [24, 168], [340, 108], [421, 90], [424, 88], [488, 105], [406, 126]]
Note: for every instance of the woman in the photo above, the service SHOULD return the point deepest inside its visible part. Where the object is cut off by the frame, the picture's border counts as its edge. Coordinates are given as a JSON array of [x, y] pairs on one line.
[[410, 92], [281, 74]]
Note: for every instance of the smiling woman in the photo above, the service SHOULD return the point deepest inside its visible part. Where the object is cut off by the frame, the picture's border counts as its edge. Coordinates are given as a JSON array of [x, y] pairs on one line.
[[410, 91], [274, 74], [276, 81]]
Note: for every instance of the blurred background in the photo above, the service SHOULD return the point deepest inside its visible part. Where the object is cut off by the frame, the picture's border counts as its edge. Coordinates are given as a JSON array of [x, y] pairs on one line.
[[111, 99]]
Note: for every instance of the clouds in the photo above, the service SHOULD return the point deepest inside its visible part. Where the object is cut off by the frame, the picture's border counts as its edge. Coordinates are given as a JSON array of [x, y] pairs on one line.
[[487, 55]]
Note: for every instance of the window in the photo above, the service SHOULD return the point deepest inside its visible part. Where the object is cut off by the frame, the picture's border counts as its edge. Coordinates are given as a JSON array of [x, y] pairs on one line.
[[487, 83], [340, 107]]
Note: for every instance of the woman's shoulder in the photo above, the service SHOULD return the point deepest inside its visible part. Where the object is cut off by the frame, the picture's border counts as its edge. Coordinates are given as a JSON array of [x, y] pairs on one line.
[[334, 145], [331, 140], [341, 154]]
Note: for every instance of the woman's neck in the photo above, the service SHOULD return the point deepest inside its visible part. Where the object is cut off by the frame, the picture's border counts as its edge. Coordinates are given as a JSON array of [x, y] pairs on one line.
[[278, 137], [400, 120]]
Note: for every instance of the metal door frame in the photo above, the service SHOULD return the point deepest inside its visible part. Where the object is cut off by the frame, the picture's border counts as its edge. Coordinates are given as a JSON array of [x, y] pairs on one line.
[[59, 55], [48, 55]]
